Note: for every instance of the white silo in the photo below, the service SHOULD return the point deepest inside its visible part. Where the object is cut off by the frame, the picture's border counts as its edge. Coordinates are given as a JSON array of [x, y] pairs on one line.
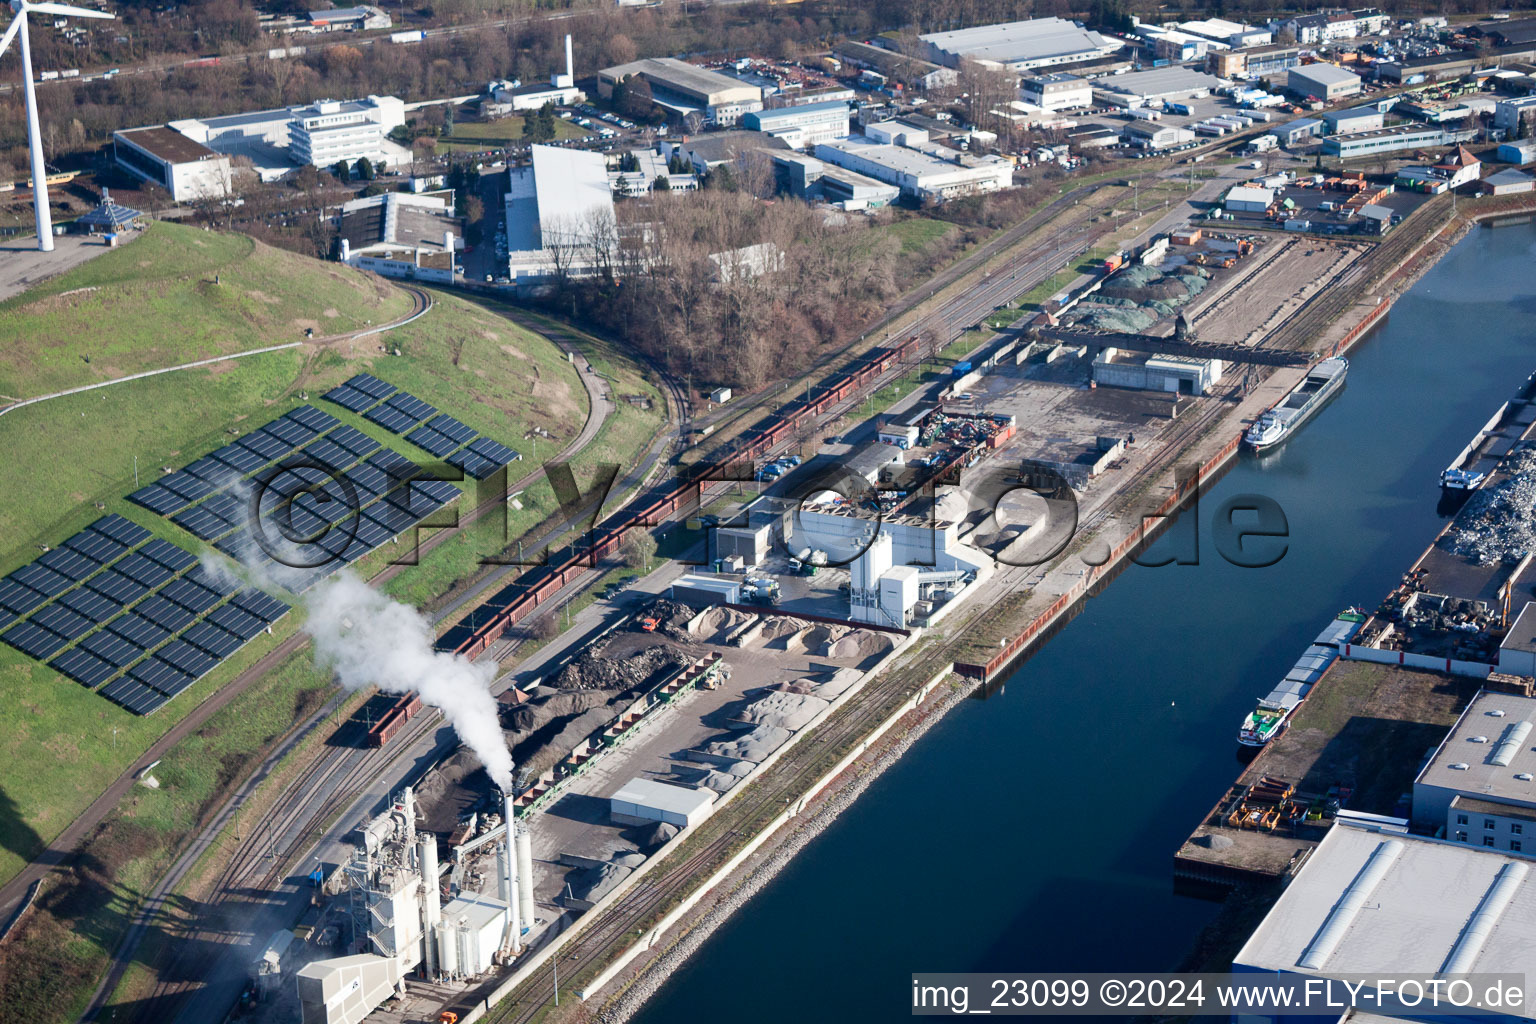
[[525, 907], [431, 906]]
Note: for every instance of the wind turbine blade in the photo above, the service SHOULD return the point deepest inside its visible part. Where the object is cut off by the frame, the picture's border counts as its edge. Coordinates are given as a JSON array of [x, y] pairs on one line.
[[10, 33], [68, 11]]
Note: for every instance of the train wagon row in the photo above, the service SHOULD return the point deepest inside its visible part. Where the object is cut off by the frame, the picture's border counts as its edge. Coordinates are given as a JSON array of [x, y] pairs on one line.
[[488, 623], [393, 720]]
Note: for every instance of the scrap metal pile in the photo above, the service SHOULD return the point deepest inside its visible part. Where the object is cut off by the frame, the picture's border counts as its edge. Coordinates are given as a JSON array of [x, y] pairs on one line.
[[1499, 522]]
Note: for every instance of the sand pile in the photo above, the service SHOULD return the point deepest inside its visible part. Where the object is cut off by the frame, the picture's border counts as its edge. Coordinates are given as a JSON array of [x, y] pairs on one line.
[[717, 623], [860, 644], [819, 638], [754, 746], [790, 711]]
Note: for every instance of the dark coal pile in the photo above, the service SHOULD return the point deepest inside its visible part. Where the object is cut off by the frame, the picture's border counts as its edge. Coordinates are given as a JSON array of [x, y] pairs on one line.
[[592, 670]]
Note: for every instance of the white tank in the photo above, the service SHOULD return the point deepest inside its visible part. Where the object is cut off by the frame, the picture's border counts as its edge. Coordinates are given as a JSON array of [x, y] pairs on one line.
[[431, 906], [525, 877], [447, 949]]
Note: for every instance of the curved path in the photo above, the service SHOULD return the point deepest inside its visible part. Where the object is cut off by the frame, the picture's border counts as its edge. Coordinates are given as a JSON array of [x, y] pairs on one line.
[[600, 407], [420, 303]]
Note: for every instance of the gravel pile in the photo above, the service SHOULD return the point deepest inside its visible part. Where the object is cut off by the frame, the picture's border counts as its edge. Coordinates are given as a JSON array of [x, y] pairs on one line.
[[1498, 523]]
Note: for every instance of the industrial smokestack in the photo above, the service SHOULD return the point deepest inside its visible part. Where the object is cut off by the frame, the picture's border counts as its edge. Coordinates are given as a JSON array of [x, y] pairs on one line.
[[525, 876], [512, 938], [570, 65], [432, 907]]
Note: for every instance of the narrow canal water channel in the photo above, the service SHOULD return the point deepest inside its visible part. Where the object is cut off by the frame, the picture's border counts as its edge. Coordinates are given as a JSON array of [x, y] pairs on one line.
[[1036, 830]]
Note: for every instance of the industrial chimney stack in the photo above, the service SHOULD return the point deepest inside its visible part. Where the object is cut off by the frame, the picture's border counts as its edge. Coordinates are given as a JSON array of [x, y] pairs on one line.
[[512, 939], [432, 906]]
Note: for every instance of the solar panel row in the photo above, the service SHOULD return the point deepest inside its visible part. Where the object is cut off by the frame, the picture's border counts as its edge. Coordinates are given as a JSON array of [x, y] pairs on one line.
[[482, 457], [175, 492], [360, 392]]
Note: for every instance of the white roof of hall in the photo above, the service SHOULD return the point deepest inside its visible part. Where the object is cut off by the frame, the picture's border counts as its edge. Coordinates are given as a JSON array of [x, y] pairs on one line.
[[1370, 901], [1011, 41], [564, 187], [1496, 727]]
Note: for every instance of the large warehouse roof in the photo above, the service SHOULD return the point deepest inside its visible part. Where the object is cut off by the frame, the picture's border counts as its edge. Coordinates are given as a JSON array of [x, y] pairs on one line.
[[1169, 81], [167, 144], [1370, 901], [1017, 41], [706, 86], [561, 194], [1326, 74]]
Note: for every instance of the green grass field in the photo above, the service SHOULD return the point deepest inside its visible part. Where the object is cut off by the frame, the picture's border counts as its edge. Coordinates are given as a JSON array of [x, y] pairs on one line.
[[919, 235], [506, 131], [176, 295]]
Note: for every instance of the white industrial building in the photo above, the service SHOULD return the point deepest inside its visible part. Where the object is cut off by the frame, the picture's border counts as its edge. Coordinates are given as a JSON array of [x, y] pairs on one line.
[[803, 126], [1173, 45], [560, 90], [1151, 135], [1230, 32], [327, 132], [1480, 783], [1141, 88], [683, 88], [401, 235], [1249, 199], [1056, 91], [1296, 132], [1521, 151], [1184, 375], [1019, 45], [919, 174], [188, 170], [1372, 902], [279, 141], [810, 178], [345, 990], [1327, 82], [643, 801], [558, 209]]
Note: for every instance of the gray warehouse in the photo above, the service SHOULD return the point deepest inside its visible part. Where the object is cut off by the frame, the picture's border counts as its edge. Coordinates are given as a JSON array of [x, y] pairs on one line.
[[1327, 82]]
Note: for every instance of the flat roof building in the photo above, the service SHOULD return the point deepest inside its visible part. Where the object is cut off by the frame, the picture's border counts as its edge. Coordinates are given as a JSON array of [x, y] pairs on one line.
[[1249, 199], [640, 801], [401, 235], [1230, 32], [349, 19], [328, 132], [810, 178], [802, 126], [1355, 119], [1326, 82], [1375, 902], [557, 209], [1508, 182], [1293, 132], [682, 88], [1488, 756], [920, 175], [1056, 91], [1141, 87], [1019, 45], [1393, 140], [188, 170]]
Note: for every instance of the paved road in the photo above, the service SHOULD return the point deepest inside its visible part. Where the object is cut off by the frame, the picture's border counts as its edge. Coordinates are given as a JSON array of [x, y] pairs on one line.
[[22, 265]]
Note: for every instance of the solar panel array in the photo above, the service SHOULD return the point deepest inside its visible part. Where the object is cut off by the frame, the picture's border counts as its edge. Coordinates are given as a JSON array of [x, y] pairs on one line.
[[361, 392], [106, 607], [401, 412], [317, 522], [117, 609], [483, 457], [219, 470], [440, 435]]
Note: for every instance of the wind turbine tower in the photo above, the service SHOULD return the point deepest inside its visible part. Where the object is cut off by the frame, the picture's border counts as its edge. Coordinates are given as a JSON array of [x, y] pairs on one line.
[[34, 133]]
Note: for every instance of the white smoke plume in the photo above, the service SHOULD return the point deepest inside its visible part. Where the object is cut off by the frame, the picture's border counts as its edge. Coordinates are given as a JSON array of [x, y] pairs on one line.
[[370, 639]]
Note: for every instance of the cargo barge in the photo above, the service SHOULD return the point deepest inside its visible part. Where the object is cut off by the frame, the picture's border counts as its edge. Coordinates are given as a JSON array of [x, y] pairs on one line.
[[1266, 721], [1321, 383], [1498, 438]]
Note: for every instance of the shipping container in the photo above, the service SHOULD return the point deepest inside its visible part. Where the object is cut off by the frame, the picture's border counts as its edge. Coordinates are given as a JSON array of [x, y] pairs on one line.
[[413, 36]]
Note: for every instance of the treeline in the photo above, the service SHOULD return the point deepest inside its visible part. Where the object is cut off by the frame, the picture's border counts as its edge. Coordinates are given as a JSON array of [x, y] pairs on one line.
[[723, 288]]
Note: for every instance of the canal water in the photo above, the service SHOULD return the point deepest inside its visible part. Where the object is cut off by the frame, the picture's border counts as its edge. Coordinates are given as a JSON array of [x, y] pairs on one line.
[[1036, 830]]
